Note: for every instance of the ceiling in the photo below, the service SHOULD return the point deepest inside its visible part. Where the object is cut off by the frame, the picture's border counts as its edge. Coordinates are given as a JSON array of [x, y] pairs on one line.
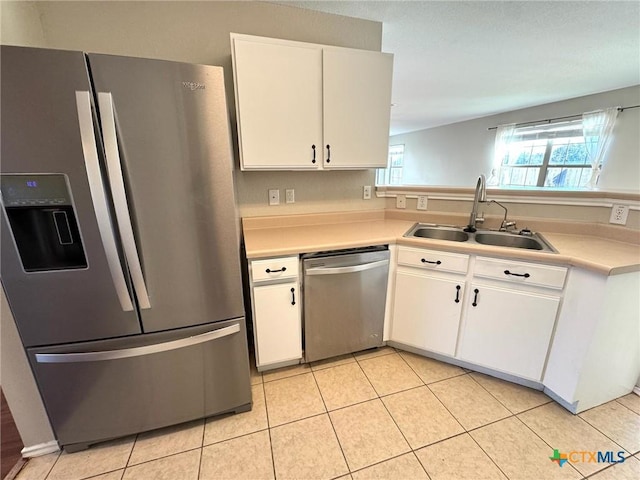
[[458, 60]]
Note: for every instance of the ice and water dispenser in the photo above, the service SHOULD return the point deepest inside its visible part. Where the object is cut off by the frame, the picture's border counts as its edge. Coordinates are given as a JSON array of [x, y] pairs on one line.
[[43, 222]]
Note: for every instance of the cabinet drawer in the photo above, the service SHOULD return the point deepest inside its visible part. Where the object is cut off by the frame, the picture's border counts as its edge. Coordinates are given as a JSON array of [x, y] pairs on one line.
[[433, 260], [274, 268], [521, 272]]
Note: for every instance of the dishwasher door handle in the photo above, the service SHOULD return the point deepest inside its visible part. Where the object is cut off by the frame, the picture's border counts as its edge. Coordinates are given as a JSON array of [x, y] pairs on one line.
[[348, 269]]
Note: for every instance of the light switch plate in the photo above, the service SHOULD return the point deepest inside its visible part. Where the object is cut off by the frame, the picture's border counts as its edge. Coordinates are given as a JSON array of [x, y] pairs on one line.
[[619, 214], [274, 197], [401, 201], [422, 202]]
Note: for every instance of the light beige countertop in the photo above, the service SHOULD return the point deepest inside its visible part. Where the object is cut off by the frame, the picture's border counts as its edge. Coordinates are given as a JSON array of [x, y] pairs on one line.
[[295, 234]]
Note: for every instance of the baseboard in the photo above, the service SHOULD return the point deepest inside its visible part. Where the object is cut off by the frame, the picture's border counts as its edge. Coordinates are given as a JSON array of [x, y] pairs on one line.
[[40, 449], [636, 390]]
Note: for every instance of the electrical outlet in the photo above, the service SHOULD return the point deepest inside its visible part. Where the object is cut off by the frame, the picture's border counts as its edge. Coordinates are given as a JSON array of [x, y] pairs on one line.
[[290, 195], [401, 201], [274, 197], [619, 214], [422, 202], [366, 192]]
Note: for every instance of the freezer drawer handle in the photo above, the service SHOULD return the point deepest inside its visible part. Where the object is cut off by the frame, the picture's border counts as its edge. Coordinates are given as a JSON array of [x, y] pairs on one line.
[[99, 199], [83, 357], [116, 180], [349, 269]]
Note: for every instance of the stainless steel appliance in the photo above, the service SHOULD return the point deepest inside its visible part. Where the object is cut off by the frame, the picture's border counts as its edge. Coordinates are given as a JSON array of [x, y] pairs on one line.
[[120, 252], [344, 301]]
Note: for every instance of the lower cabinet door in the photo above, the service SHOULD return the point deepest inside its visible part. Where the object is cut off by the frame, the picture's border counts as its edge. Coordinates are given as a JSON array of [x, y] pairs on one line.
[[508, 330], [426, 312], [277, 323]]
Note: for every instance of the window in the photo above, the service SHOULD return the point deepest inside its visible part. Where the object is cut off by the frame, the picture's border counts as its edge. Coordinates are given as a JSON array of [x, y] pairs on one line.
[[554, 155], [392, 175]]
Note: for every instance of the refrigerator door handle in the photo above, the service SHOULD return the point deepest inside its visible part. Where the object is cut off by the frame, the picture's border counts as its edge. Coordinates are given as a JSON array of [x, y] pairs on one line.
[[116, 180], [99, 198], [136, 351]]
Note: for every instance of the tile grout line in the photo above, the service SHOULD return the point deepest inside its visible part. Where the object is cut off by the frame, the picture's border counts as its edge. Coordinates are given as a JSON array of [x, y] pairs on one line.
[[204, 429], [545, 442], [266, 409], [333, 428], [604, 434], [620, 403], [50, 469]]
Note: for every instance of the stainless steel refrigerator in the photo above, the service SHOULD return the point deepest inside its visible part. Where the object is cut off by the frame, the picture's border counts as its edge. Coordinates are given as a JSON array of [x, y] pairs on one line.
[[120, 252]]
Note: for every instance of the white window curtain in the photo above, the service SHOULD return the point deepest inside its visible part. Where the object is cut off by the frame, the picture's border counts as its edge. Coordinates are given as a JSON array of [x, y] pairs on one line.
[[597, 127], [504, 136]]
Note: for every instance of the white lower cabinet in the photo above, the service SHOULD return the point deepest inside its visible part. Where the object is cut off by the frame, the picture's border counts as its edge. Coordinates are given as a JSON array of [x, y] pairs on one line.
[[426, 312], [428, 299], [276, 310], [508, 330], [277, 320]]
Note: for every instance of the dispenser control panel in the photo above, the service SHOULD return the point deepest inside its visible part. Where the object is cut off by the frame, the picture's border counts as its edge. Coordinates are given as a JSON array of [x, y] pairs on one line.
[[39, 190]]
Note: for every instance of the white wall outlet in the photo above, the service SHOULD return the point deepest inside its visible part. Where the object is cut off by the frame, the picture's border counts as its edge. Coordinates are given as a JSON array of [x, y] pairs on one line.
[[422, 202], [401, 201], [290, 195], [619, 214], [274, 197], [366, 192]]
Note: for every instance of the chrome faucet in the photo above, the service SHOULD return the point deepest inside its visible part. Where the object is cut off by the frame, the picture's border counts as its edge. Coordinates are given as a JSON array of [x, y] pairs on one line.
[[479, 197]]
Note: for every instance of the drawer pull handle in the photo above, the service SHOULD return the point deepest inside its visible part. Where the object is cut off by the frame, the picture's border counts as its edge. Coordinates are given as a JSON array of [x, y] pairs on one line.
[[283, 269], [525, 275], [457, 300], [475, 297], [437, 262], [313, 160], [328, 153], [293, 296]]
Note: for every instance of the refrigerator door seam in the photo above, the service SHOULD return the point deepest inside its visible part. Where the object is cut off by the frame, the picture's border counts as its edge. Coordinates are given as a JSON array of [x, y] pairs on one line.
[[123, 215], [136, 351], [99, 198]]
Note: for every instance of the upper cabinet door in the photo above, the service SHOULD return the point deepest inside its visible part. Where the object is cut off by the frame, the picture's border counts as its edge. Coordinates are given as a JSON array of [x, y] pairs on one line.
[[357, 107], [279, 105]]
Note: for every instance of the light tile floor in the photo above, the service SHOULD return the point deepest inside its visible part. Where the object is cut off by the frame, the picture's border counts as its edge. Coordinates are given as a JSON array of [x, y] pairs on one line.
[[381, 414]]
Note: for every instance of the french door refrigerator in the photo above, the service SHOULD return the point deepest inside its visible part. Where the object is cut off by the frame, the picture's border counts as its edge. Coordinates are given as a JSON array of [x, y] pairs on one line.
[[120, 252]]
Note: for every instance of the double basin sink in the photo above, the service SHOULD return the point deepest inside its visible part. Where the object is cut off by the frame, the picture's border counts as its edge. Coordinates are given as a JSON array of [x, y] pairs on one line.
[[522, 239]]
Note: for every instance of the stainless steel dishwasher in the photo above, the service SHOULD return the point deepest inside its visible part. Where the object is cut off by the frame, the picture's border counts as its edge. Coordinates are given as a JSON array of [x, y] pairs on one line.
[[344, 300]]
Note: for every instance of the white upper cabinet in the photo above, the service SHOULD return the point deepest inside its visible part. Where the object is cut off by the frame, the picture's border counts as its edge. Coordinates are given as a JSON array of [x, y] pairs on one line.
[[303, 106], [357, 102]]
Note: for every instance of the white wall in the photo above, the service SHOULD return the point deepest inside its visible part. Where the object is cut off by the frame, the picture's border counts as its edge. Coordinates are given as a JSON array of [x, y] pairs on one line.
[[456, 154]]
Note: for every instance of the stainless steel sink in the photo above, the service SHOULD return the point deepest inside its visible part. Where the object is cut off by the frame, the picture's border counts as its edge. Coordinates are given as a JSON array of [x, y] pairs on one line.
[[503, 239], [441, 233], [523, 239]]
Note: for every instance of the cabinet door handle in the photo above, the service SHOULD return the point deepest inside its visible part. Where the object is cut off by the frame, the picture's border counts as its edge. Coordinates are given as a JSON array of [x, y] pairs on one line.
[[475, 297], [313, 160], [293, 296], [457, 300], [437, 262], [525, 275], [328, 153], [283, 269]]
